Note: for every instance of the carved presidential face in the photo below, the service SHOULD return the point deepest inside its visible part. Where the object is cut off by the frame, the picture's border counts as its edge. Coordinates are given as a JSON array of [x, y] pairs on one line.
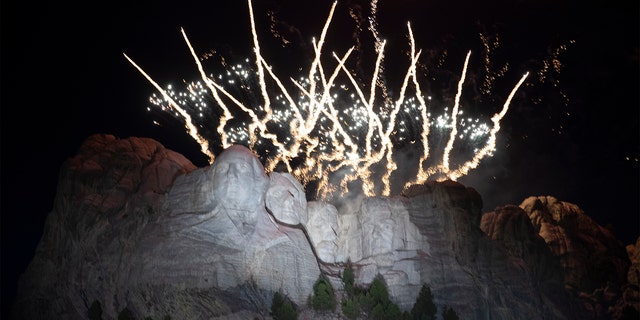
[[239, 180], [286, 199]]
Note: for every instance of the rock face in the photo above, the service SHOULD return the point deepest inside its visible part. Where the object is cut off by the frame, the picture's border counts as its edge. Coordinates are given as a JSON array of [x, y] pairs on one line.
[[570, 257], [595, 264], [510, 226], [137, 226], [631, 293], [467, 270], [106, 195]]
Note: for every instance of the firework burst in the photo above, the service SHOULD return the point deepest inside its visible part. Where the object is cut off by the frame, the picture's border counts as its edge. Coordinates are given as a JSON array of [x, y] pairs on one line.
[[326, 128]]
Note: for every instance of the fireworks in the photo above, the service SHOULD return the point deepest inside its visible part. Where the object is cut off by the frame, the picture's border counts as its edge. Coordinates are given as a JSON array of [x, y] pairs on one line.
[[324, 131]]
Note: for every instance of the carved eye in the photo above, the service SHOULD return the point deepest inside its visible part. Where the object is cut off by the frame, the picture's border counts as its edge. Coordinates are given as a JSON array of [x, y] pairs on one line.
[[222, 167], [242, 167]]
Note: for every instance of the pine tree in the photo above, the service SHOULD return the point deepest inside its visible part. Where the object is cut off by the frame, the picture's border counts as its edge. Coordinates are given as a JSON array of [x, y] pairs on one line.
[[287, 312], [276, 303], [351, 308], [424, 308], [323, 295], [378, 293], [282, 308], [95, 311], [348, 279], [449, 314], [125, 314], [378, 304]]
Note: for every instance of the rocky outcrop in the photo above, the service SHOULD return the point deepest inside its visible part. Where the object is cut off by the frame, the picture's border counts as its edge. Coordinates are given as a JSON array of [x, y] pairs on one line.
[[106, 195], [571, 258], [631, 294], [464, 267], [511, 228], [594, 263], [137, 226], [589, 253]]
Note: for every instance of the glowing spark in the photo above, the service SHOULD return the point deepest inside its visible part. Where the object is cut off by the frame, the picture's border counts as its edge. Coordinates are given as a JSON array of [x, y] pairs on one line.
[[318, 137], [191, 129], [454, 114], [491, 142]]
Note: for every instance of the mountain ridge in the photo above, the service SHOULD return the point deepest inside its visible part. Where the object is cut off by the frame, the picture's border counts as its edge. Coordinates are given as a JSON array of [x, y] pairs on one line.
[[138, 226]]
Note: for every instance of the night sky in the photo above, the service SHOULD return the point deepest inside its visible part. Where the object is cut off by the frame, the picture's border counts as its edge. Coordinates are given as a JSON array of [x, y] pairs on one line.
[[574, 136]]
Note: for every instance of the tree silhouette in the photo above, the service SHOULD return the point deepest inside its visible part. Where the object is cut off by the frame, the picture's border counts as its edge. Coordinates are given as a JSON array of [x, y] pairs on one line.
[[282, 308], [424, 308], [95, 311], [348, 279], [449, 314], [323, 296]]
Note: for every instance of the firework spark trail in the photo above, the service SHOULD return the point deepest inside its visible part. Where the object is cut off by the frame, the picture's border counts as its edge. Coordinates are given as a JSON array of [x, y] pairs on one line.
[[421, 175], [191, 128], [386, 141], [491, 142], [321, 134], [227, 115], [303, 127], [454, 117], [362, 168]]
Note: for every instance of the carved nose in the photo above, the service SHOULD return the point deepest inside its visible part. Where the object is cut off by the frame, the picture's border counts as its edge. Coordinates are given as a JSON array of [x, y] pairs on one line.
[[232, 174]]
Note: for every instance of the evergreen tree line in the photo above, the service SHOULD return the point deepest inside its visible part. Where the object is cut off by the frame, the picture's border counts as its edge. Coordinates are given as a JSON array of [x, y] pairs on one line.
[[370, 303]]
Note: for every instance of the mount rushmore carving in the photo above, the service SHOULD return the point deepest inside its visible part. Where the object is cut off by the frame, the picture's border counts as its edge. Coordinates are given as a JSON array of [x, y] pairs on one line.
[[136, 225]]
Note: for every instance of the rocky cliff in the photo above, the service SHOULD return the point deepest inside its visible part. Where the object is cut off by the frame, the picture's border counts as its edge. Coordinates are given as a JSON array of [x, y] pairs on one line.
[[137, 226]]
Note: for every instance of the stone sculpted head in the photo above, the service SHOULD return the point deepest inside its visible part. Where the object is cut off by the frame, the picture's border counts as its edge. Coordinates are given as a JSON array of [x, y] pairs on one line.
[[239, 183], [286, 199], [323, 229]]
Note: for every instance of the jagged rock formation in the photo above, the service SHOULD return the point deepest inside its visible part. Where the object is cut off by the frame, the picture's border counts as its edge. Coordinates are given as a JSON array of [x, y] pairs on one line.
[[631, 293], [138, 226], [510, 226], [570, 257], [594, 263], [106, 193], [465, 268]]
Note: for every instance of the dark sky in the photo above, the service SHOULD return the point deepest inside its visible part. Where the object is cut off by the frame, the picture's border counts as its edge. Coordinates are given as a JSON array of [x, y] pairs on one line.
[[64, 77]]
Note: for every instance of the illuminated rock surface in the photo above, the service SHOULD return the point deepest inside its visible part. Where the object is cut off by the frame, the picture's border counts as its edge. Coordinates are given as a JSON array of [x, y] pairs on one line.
[[138, 226], [286, 199], [323, 229]]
